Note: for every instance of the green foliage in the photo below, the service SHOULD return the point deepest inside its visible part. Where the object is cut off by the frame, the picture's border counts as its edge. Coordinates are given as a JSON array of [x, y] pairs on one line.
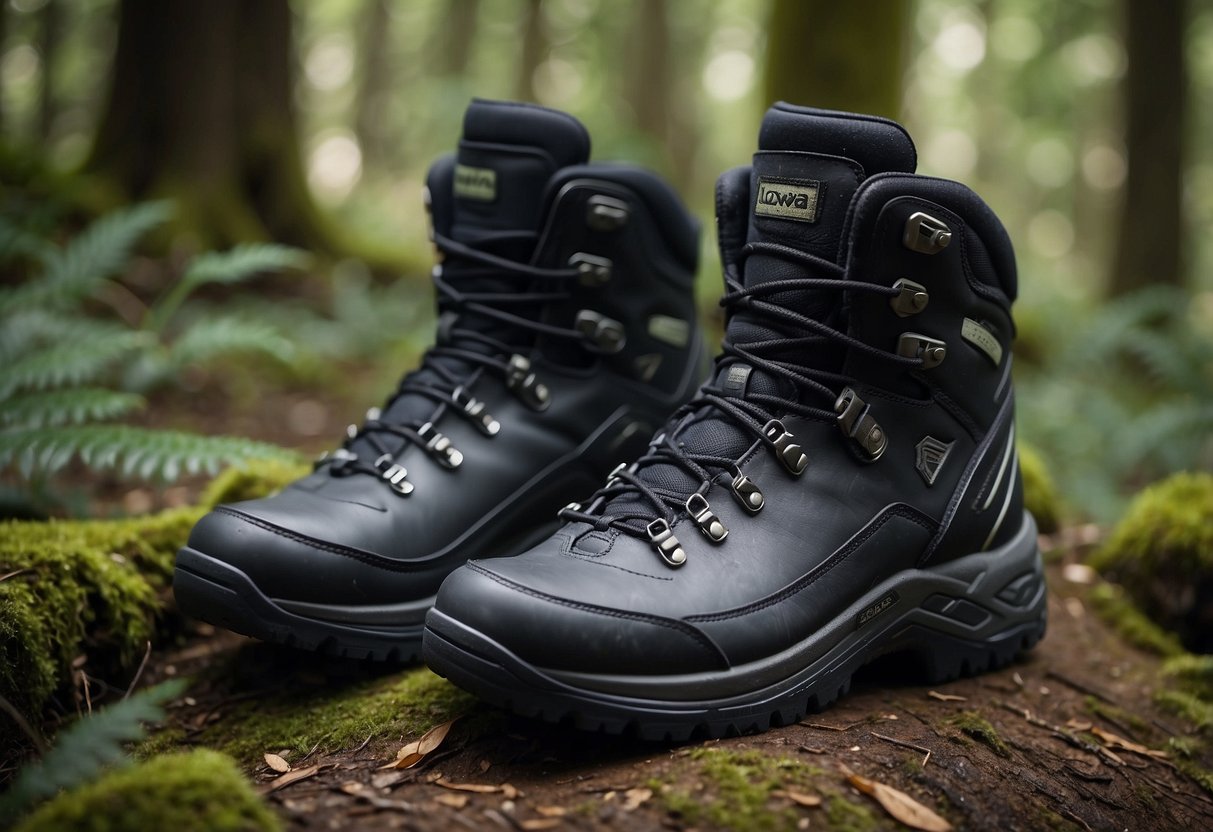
[[69, 372], [1040, 495], [1162, 553], [1130, 623], [87, 747], [96, 587], [1121, 394], [199, 791]]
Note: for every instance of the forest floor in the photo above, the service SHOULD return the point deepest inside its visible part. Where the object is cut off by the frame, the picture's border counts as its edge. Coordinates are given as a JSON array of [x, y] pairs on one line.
[[1067, 738]]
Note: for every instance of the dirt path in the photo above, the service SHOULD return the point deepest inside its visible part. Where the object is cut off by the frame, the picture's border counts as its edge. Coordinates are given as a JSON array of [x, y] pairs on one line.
[[1028, 747]]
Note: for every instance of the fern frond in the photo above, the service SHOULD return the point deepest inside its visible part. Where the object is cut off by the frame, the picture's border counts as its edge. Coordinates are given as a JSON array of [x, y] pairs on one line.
[[88, 746], [242, 262], [74, 406], [29, 330], [16, 242], [69, 363], [144, 453], [210, 338], [72, 273]]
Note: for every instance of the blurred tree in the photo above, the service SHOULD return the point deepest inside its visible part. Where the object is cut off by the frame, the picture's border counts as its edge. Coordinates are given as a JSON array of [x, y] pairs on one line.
[[1149, 247], [49, 39], [534, 49], [373, 89], [456, 36], [200, 109], [844, 56]]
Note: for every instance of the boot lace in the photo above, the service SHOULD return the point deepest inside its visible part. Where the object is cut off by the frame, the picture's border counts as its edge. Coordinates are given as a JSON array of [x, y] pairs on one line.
[[645, 510], [462, 355]]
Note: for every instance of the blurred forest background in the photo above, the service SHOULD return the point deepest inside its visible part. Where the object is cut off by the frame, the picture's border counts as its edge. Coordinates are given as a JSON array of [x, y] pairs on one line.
[[244, 126]]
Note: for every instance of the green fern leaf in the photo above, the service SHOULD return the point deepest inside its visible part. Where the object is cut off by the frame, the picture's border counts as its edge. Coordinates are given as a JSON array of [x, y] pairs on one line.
[[133, 451], [73, 273], [241, 263], [70, 363], [87, 747], [74, 406], [210, 338], [30, 330], [16, 242]]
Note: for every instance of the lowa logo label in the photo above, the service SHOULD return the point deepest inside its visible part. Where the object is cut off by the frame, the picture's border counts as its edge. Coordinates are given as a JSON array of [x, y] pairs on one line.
[[877, 608], [475, 183], [788, 199]]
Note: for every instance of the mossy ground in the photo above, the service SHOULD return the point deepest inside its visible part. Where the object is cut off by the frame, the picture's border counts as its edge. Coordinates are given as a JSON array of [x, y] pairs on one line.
[[1040, 495], [977, 727], [737, 789], [200, 791], [331, 717], [96, 588]]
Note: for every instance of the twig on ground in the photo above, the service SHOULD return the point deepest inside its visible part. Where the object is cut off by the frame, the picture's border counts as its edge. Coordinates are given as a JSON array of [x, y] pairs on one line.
[[16, 716], [139, 673], [905, 744]]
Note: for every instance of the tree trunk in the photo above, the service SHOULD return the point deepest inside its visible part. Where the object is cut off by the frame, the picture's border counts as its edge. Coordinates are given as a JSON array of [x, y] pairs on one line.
[[368, 117], [844, 56], [48, 47], [1149, 247], [200, 110], [534, 49], [458, 34]]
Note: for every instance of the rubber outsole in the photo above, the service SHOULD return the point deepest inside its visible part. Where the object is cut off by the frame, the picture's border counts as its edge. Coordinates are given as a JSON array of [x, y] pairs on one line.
[[943, 639], [214, 591]]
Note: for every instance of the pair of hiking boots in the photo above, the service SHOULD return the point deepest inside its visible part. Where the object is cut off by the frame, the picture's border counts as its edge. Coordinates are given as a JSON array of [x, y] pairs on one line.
[[842, 486]]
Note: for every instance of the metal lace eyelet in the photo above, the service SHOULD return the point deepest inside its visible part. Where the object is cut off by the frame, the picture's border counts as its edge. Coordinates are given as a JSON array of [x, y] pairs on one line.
[[713, 527], [476, 412], [394, 474], [856, 422], [789, 452], [925, 234], [911, 299], [932, 351], [747, 494], [666, 544], [605, 335], [438, 445], [592, 270], [522, 382]]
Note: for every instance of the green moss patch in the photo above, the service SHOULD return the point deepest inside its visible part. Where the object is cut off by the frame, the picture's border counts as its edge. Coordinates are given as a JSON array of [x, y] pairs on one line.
[[201, 791], [1162, 553], [1113, 606], [334, 717], [977, 727], [94, 587], [846, 816], [249, 482], [738, 790], [1040, 494]]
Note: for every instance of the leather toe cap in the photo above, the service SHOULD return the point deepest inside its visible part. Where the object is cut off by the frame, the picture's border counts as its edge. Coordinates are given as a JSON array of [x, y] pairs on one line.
[[562, 634]]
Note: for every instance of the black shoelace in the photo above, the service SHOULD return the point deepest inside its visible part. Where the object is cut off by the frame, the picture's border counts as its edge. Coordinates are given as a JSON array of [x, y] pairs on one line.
[[454, 364], [615, 505]]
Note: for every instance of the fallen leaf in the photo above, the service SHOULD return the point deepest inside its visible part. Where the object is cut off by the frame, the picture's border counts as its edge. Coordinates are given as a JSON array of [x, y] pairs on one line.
[[413, 753], [898, 804], [1108, 738], [505, 789], [799, 798], [485, 765], [552, 811], [277, 763], [633, 799], [293, 776], [535, 824], [945, 697], [388, 779], [1075, 724], [1078, 573], [455, 801]]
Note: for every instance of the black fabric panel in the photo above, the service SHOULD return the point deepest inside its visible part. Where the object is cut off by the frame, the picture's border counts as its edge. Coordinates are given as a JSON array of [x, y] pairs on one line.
[[878, 144]]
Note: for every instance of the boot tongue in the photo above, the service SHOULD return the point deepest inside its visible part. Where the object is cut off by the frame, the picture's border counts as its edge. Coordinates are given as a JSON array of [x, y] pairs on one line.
[[808, 166], [507, 155]]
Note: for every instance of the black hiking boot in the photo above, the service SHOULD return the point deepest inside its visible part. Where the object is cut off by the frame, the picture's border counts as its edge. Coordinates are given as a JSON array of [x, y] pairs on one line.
[[844, 487], [566, 335]]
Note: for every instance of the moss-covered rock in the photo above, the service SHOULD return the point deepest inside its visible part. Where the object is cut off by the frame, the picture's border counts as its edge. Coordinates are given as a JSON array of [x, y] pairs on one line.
[[1162, 553], [94, 587], [80, 587], [335, 717], [1039, 491], [201, 791]]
